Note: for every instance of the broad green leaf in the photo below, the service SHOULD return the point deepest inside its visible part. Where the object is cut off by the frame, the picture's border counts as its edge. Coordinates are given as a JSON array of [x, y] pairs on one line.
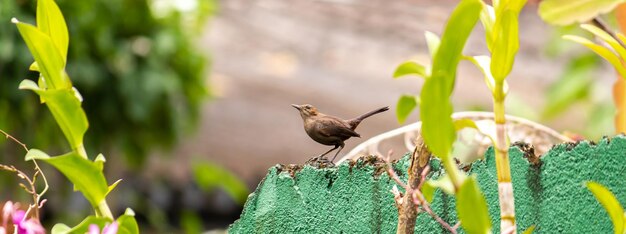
[[405, 106], [82, 227], [435, 107], [472, 208], [606, 38], [564, 12], [66, 110], [433, 42], [83, 173], [505, 44], [127, 223], [600, 50], [47, 56], [530, 230], [610, 204], [51, 22], [410, 68], [210, 176], [488, 18]]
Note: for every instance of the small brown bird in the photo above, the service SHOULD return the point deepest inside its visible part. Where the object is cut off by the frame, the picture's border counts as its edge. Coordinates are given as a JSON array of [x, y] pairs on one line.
[[330, 130]]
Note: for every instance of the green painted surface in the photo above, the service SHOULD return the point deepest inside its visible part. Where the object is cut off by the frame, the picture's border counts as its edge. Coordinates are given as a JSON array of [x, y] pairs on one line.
[[357, 198]]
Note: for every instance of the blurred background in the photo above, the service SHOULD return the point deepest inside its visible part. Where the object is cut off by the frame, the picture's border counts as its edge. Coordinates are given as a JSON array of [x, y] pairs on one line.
[[190, 100]]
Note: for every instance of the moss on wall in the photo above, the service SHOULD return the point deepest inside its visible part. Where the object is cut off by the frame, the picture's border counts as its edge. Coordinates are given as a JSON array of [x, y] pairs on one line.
[[355, 197]]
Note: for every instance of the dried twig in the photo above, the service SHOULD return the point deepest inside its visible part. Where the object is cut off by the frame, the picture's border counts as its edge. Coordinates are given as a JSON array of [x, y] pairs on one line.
[[31, 187], [416, 194]]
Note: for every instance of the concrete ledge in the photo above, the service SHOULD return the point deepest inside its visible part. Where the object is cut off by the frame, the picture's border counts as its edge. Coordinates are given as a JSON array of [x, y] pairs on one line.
[[355, 196]]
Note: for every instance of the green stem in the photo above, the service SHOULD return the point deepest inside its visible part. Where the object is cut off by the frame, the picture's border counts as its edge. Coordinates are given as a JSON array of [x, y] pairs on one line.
[[81, 151], [503, 167], [452, 171], [103, 210]]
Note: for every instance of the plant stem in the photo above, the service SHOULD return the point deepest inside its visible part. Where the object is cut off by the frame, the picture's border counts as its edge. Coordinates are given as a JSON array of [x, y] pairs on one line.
[[505, 188], [103, 210]]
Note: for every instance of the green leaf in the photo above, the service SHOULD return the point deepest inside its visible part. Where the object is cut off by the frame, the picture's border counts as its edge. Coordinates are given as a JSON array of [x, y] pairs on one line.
[[428, 190], [410, 68], [127, 223], [33, 154], [600, 50], [433, 42], [505, 44], [82, 227], [483, 63], [444, 183], [606, 38], [610, 204], [488, 18], [83, 173], [464, 123], [405, 106], [100, 160], [210, 176], [472, 208], [60, 228], [66, 110], [51, 22], [564, 12], [435, 107], [47, 56], [112, 186]]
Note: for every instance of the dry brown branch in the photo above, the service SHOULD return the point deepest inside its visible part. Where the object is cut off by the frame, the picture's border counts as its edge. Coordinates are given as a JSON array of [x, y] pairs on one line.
[[31, 187]]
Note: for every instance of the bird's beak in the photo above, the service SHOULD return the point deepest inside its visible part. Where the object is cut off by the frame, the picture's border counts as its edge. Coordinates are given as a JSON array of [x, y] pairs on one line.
[[296, 106]]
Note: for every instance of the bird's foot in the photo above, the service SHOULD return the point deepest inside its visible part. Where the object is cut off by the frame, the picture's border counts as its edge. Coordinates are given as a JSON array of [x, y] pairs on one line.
[[320, 161]]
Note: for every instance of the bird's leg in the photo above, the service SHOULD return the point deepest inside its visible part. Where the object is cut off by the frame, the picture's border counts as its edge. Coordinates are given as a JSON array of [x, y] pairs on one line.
[[322, 155], [340, 148]]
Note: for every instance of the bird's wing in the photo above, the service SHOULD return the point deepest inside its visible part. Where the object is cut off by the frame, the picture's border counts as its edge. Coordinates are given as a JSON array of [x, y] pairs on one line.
[[339, 128]]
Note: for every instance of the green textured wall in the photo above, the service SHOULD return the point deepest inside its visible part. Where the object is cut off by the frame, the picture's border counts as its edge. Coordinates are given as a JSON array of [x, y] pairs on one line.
[[356, 197]]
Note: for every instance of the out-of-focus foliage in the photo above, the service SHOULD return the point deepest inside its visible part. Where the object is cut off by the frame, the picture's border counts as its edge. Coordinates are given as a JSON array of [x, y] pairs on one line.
[[134, 61], [564, 12], [210, 176]]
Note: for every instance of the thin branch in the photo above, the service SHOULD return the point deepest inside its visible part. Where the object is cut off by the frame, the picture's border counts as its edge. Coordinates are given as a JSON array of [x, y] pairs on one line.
[[37, 201], [418, 198], [13, 138]]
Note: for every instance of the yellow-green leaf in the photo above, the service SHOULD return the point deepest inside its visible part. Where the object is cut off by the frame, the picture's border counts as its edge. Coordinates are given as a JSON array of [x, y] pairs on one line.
[[49, 60], [405, 106], [606, 38], [505, 44], [488, 18], [51, 22], [472, 208], [410, 68], [83, 173], [610, 204], [564, 12], [435, 107], [432, 41], [600, 50]]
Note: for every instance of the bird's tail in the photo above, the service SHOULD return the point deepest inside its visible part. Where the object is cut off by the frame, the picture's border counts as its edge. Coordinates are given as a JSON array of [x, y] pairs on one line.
[[355, 122]]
